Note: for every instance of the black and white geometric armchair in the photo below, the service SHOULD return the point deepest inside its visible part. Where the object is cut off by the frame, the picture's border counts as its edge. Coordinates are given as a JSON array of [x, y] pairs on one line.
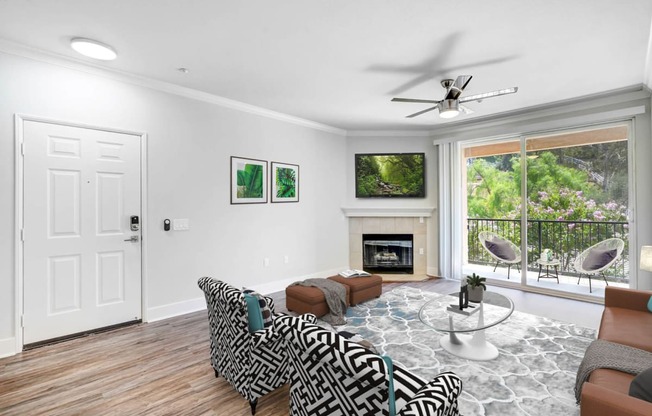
[[330, 375], [254, 363]]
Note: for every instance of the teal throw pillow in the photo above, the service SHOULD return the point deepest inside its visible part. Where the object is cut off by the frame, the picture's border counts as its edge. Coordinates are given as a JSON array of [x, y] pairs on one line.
[[265, 310], [390, 372], [255, 317], [649, 304]]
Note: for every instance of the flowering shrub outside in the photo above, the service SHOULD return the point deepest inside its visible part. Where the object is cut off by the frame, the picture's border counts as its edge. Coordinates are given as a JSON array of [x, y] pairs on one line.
[[567, 205]]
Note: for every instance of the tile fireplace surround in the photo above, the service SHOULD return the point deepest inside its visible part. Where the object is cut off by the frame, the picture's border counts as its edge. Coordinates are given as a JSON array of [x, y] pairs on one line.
[[369, 221]]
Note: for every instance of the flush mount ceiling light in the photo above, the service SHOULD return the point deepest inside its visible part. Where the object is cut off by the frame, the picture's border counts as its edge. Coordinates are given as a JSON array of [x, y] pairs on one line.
[[448, 108], [93, 49]]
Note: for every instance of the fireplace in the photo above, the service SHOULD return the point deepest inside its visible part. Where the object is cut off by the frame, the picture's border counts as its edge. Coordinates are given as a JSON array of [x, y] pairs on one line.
[[388, 253]]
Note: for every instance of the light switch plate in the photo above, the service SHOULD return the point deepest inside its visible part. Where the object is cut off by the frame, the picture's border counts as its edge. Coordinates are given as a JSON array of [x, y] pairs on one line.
[[181, 224]]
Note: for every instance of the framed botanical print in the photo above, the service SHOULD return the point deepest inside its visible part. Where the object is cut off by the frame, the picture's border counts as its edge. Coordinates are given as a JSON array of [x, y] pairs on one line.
[[248, 181], [285, 182]]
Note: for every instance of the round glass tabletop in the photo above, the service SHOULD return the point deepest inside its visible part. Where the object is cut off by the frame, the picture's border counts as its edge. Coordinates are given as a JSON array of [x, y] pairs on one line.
[[442, 313]]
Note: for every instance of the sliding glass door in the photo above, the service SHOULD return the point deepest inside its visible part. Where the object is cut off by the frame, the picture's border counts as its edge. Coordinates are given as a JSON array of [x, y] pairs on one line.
[[543, 210]]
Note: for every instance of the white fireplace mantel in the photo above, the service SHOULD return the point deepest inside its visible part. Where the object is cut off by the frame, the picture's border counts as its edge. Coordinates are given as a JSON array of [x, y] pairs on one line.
[[388, 212]]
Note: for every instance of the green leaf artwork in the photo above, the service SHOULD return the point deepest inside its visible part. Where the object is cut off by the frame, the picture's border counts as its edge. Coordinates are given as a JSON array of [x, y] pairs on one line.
[[286, 180], [250, 180]]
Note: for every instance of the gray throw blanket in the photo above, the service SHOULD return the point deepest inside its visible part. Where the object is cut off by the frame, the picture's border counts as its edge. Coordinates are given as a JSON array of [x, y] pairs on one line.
[[335, 294], [605, 354]]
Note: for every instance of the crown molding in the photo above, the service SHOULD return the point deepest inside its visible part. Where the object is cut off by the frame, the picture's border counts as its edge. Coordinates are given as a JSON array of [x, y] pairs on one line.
[[603, 103], [388, 133], [12, 48]]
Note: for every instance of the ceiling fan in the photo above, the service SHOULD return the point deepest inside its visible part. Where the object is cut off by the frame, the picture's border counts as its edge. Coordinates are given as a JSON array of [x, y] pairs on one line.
[[451, 105]]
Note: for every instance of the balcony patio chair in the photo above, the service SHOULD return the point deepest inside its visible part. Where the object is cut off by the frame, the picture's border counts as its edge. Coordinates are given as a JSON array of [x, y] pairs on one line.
[[500, 249], [598, 258]]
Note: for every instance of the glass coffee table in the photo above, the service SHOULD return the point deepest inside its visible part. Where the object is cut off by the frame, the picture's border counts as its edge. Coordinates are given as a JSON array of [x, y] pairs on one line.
[[494, 309]]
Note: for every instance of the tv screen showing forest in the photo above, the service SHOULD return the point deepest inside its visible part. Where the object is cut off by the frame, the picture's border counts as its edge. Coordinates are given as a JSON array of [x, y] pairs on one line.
[[390, 175]]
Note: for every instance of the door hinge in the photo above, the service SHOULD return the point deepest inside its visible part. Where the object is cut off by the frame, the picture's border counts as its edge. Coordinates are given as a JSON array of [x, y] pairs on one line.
[[22, 235], [22, 148], [22, 321]]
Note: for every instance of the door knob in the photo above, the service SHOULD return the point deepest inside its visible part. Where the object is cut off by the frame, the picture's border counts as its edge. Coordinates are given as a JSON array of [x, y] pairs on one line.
[[133, 239]]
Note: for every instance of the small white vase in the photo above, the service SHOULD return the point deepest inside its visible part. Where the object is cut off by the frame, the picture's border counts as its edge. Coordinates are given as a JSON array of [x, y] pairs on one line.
[[476, 294]]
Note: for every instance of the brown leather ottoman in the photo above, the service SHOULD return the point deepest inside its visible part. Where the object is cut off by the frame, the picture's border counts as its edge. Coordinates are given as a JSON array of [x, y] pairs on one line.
[[306, 299], [361, 288]]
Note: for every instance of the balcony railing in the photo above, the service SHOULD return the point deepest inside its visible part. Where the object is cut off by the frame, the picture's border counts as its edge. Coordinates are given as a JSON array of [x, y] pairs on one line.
[[566, 239]]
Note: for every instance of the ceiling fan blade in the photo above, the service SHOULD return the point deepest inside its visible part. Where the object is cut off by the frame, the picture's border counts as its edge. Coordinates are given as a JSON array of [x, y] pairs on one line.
[[421, 112], [484, 95], [462, 81], [458, 86], [414, 100], [465, 109]]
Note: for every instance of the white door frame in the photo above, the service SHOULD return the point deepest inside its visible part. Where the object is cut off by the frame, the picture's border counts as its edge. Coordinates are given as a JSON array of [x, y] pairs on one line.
[[19, 119]]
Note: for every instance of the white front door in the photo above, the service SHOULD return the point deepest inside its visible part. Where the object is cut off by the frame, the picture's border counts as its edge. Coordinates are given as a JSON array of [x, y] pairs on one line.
[[81, 186]]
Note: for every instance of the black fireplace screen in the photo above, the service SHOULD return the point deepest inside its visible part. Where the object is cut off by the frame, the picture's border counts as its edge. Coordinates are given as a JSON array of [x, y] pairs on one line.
[[388, 253]]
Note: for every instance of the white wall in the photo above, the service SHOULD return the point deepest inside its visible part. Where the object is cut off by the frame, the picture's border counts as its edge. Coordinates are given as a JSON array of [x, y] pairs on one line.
[[189, 146], [405, 143]]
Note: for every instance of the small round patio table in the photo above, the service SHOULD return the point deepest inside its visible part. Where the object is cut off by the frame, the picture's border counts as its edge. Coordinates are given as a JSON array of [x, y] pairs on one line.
[[547, 264], [442, 314]]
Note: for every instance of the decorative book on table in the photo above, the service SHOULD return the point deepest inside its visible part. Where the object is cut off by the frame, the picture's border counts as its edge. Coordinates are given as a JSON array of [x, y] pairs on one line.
[[466, 311], [354, 273]]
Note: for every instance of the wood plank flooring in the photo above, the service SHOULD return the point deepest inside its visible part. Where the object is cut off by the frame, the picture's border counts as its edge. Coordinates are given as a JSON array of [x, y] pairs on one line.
[[161, 368]]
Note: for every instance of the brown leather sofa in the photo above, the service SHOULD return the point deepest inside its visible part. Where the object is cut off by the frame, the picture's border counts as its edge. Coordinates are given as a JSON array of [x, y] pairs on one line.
[[625, 320]]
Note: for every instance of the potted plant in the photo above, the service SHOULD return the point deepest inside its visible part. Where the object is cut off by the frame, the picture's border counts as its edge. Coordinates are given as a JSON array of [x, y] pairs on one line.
[[476, 287]]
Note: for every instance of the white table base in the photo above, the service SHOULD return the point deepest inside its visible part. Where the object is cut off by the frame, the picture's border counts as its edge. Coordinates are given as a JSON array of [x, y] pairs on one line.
[[472, 347]]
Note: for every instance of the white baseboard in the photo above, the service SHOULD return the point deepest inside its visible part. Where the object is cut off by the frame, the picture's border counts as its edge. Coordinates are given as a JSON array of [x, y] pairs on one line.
[[7, 347], [171, 310], [432, 271], [280, 285]]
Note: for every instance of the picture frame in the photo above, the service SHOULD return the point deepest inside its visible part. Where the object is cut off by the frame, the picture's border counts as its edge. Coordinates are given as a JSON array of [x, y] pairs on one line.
[[390, 175], [248, 181], [284, 185]]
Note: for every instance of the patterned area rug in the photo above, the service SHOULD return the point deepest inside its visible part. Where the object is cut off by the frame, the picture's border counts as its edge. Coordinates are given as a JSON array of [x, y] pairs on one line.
[[534, 374]]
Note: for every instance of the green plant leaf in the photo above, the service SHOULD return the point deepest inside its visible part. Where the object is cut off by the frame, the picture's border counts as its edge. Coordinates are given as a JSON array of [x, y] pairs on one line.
[[250, 181]]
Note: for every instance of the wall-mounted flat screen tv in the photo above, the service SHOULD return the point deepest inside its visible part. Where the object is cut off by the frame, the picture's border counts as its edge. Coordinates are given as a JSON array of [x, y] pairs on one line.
[[390, 175]]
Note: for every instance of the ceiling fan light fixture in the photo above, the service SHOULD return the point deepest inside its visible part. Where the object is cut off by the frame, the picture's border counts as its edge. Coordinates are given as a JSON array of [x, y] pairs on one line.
[[93, 49], [448, 109]]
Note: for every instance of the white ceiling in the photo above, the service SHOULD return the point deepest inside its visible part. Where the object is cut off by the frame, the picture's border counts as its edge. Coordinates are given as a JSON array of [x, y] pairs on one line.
[[340, 62]]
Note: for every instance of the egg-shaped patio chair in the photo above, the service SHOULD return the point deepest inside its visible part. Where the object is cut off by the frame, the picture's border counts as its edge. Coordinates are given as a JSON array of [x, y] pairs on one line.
[[500, 249], [596, 259]]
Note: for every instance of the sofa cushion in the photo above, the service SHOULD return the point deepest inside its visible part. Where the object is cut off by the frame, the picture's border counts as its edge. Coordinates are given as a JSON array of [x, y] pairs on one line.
[[501, 249], [612, 380], [597, 259], [641, 386], [627, 327]]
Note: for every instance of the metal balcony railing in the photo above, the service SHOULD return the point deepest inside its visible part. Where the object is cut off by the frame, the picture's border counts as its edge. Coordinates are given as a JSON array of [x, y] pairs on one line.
[[566, 239]]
